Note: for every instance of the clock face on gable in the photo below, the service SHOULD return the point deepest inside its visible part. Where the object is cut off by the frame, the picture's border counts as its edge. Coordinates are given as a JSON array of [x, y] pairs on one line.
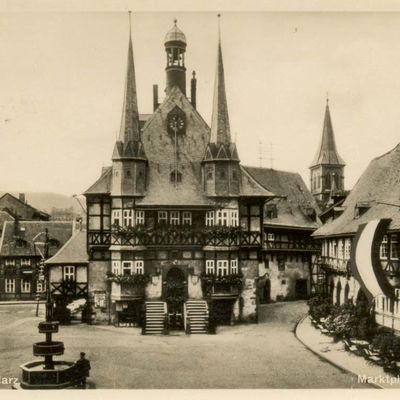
[[176, 121]]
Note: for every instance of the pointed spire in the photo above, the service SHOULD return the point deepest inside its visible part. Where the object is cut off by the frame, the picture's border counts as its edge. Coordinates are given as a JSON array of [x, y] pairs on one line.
[[130, 130], [327, 152], [220, 130]]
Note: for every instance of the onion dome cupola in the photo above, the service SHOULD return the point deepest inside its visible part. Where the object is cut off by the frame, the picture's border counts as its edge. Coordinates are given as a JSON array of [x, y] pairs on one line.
[[221, 160], [129, 158], [175, 47], [327, 168]]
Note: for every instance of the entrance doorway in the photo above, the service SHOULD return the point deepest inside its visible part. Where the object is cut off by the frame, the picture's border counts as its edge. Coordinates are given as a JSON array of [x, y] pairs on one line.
[[301, 292], [175, 296]]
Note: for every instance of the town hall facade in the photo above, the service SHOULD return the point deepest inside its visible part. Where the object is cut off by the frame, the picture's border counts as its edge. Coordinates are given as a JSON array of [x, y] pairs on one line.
[[175, 225]]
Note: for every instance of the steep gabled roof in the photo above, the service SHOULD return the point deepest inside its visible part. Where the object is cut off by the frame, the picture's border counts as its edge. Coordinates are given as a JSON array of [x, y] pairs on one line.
[[379, 189], [103, 184], [17, 239], [296, 207], [73, 252], [327, 152], [27, 206]]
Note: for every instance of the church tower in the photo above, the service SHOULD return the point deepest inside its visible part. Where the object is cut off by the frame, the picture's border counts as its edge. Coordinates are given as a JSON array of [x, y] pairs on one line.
[[327, 168], [221, 160], [175, 47], [129, 159]]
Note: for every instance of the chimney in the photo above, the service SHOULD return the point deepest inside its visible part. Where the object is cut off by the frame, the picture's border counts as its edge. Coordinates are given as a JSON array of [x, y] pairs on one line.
[[193, 84], [22, 197], [155, 97]]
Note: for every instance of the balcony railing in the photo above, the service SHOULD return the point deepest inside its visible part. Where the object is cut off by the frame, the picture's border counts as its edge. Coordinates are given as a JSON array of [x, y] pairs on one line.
[[69, 288], [212, 236]]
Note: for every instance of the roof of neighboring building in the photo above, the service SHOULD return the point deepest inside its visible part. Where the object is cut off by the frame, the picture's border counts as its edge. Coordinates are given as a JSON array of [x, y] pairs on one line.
[[295, 205], [5, 216], [103, 184], [327, 152], [7, 197], [73, 252], [17, 238], [378, 190]]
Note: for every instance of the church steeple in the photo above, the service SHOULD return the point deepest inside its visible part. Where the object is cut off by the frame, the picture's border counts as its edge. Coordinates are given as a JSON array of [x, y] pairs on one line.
[[327, 152], [327, 168], [220, 129]]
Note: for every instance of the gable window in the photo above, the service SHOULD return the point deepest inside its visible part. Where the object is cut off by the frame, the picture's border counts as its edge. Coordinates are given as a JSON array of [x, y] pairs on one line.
[[174, 218], [128, 217], [210, 218], [187, 218], [139, 217], [175, 176], [210, 267], [394, 247], [138, 267], [127, 267], [162, 217], [116, 267], [10, 285], [25, 286], [69, 273], [384, 249], [222, 267], [116, 217]]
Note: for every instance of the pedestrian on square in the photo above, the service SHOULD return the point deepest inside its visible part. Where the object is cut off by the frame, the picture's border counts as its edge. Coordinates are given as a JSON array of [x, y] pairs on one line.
[[82, 370]]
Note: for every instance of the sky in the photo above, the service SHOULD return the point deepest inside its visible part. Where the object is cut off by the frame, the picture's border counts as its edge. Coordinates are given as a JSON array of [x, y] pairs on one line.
[[62, 76]]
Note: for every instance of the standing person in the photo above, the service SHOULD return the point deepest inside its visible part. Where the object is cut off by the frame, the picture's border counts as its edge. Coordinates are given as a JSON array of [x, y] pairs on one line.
[[82, 370]]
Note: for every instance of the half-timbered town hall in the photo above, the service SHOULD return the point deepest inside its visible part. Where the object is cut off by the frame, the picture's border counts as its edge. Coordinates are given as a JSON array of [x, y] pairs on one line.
[[175, 224]]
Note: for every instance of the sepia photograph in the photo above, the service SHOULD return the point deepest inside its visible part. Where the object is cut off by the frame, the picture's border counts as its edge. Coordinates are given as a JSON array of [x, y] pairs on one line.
[[205, 199]]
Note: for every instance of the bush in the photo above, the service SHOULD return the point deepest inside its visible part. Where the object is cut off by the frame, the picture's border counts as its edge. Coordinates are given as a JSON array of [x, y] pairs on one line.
[[319, 307]]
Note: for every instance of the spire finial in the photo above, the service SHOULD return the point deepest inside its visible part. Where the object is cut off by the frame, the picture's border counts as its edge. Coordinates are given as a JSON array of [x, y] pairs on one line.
[[219, 27], [175, 21], [327, 98], [130, 23]]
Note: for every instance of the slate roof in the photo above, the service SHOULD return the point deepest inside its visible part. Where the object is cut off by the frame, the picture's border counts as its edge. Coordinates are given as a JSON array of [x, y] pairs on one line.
[[73, 252], [294, 201], [5, 216], [28, 208], [103, 184], [380, 183], [19, 243], [327, 152]]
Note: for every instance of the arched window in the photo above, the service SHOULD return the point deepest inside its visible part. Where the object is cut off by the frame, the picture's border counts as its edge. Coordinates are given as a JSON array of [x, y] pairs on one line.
[[338, 293]]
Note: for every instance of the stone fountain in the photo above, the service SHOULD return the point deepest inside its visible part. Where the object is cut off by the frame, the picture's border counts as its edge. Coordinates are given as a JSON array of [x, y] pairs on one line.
[[48, 373]]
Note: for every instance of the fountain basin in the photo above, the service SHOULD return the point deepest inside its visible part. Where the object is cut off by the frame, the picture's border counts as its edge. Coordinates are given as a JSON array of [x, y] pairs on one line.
[[48, 349], [34, 376]]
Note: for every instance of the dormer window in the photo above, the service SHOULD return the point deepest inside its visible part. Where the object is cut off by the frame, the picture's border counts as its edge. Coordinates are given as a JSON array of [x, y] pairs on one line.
[[361, 208], [271, 211], [175, 176]]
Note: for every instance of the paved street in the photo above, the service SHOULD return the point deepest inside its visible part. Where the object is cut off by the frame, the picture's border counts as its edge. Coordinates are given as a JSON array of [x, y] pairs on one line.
[[266, 355]]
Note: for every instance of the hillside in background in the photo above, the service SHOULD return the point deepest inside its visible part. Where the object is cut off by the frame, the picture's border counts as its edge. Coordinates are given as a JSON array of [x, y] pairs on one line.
[[46, 201]]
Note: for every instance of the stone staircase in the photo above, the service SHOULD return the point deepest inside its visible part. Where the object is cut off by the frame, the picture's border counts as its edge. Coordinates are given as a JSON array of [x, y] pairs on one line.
[[155, 322], [196, 316]]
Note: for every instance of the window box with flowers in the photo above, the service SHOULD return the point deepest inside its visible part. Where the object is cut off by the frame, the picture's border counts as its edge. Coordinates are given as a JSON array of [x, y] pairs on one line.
[[230, 284]]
